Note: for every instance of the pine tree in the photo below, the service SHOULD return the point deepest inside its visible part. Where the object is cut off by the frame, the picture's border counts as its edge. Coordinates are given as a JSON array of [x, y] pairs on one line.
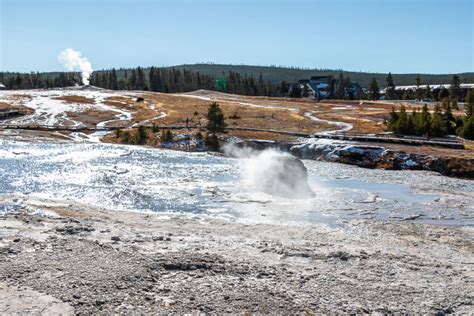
[[132, 82], [141, 135], [469, 104], [428, 92], [425, 121], [449, 120], [444, 93], [373, 89], [418, 81], [390, 89], [330, 89], [340, 87], [437, 123], [113, 80], [455, 86], [215, 124], [155, 80], [215, 116], [140, 85], [418, 84]]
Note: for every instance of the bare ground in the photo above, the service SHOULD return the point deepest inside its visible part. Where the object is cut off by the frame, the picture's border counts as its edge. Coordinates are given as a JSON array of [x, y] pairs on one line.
[[77, 259]]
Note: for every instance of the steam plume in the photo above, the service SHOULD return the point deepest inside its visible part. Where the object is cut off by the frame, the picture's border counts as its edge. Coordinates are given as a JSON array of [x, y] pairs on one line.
[[73, 60], [272, 171]]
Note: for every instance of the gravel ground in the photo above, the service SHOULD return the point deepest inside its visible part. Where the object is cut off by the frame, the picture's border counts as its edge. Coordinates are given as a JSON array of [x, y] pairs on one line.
[[73, 259]]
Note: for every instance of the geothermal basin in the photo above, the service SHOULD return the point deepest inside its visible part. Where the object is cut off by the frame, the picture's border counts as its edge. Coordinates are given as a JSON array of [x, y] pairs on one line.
[[118, 177]]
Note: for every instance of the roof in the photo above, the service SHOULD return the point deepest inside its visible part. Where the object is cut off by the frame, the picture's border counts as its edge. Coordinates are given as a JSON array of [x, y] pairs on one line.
[[435, 86], [317, 78]]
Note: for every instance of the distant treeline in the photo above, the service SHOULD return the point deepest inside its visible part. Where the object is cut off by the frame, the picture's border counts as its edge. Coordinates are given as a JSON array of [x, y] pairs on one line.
[[274, 75], [169, 80]]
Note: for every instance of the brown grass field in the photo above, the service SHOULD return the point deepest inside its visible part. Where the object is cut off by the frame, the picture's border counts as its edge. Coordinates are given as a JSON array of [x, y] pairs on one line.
[[265, 113]]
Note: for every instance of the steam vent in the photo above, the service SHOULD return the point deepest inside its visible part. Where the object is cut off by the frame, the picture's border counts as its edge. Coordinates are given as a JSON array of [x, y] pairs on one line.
[[288, 178]]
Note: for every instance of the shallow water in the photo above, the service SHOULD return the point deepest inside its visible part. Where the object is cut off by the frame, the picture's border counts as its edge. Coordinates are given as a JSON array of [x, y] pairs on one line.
[[143, 179]]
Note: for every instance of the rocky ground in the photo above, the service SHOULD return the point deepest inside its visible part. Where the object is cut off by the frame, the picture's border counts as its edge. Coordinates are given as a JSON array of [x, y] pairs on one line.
[[76, 259]]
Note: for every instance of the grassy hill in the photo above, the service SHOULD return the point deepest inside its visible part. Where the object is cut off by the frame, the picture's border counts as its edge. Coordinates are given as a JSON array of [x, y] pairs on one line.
[[277, 74]]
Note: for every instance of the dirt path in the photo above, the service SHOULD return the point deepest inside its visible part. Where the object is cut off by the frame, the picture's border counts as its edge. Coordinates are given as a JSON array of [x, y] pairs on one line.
[[98, 261]]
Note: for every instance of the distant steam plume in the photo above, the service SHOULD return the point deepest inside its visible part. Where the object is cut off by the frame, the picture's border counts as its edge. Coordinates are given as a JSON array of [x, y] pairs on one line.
[[73, 61]]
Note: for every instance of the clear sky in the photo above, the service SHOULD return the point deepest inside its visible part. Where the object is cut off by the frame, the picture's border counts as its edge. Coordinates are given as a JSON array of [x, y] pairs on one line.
[[416, 36]]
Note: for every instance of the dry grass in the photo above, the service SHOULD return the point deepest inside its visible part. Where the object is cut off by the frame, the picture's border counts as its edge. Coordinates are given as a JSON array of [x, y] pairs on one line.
[[76, 99], [140, 110], [179, 108], [91, 117], [366, 117]]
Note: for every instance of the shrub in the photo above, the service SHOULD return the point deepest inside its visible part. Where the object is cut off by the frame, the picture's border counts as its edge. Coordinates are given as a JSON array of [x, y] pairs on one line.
[[467, 130], [126, 137], [141, 135], [166, 136]]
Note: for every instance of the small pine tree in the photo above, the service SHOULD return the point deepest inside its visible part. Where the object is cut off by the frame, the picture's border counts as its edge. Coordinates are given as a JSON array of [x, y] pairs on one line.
[[449, 121], [425, 121], [283, 88], [373, 89], [469, 105], [467, 130], [437, 123], [141, 135], [390, 89], [126, 137], [454, 104], [216, 121]]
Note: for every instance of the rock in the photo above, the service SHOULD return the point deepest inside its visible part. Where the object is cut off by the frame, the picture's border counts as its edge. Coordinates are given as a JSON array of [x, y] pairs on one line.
[[99, 302], [115, 238]]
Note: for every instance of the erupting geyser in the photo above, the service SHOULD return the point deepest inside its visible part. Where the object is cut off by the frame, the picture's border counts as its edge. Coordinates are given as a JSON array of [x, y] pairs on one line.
[[273, 172], [285, 176], [73, 60]]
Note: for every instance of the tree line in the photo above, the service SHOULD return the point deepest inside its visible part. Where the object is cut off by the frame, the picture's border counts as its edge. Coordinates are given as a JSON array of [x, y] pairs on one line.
[[439, 94], [168, 80], [440, 123]]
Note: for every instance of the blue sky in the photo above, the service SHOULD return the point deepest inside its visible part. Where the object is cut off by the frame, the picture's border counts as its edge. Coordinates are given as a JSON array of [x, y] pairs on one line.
[[415, 36]]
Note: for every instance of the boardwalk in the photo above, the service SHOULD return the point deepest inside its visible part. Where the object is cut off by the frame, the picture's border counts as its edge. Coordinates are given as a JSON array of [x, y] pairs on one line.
[[454, 142]]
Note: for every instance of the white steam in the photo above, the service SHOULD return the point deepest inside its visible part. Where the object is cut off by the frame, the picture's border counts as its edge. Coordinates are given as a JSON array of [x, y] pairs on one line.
[[73, 61], [272, 171]]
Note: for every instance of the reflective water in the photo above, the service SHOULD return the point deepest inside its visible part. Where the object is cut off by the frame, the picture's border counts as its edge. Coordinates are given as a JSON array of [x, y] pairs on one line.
[[143, 179]]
